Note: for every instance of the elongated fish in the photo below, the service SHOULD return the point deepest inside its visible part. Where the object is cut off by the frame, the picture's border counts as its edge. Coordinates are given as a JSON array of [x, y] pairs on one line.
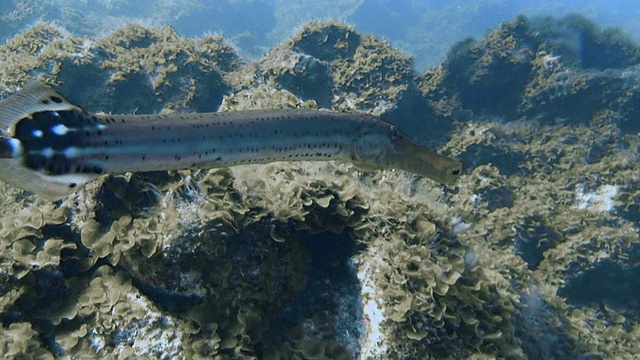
[[51, 147]]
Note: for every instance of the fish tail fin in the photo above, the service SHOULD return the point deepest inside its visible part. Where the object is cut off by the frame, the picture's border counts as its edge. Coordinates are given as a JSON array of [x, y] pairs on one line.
[[34, 98]]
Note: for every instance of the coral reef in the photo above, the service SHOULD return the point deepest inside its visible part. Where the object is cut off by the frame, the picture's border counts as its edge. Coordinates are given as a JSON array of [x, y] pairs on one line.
[[538, 68], [138, 69], [14, 14], [553, 152], [320, 260], [339, 68]]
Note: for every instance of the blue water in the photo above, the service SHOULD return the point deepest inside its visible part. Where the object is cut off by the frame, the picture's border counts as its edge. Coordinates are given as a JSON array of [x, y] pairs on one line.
[[424, 29]]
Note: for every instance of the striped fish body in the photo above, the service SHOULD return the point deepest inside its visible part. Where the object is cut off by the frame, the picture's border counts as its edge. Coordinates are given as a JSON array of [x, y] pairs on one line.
[[52, 147], [109, 144]]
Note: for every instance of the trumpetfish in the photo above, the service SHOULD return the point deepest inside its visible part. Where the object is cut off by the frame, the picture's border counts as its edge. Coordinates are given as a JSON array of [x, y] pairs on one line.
[[51, 147]]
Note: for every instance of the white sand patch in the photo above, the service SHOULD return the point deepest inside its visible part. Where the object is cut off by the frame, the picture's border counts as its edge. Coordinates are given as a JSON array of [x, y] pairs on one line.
[[601, 200], [374, 342]]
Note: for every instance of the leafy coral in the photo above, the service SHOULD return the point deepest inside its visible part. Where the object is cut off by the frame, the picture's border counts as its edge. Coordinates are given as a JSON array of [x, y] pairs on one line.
[[136, 65]]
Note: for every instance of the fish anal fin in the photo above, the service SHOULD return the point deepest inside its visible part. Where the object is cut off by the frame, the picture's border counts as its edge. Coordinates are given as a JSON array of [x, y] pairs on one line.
[[367, 167], [53, 188]]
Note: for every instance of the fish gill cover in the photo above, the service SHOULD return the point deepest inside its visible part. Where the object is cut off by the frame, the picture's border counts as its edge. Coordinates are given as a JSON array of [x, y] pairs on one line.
[[320, 260]]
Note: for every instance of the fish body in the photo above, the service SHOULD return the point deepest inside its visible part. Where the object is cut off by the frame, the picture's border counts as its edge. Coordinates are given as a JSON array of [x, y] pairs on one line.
[[52, 147]]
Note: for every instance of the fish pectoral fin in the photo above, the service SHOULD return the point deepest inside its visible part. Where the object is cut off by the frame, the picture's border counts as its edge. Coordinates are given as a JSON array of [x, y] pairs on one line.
[[369, 161], [367, 167], [53, 188], [34, 98]]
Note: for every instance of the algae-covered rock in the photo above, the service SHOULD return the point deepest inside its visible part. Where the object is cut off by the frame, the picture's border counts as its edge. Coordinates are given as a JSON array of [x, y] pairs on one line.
[[15, 13], [539, 68], [550, 195], [339, 68], [319, 260], [19, 341], [138, 69]]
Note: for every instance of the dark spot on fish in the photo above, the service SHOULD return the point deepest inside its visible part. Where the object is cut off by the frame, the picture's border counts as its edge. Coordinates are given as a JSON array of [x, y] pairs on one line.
[[58, 165], [46, 102], [35, 162], [56, 99], [72, 185]]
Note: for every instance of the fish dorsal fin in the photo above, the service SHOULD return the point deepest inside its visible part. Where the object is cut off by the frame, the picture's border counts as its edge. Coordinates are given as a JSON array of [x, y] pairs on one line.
[[35, 97]]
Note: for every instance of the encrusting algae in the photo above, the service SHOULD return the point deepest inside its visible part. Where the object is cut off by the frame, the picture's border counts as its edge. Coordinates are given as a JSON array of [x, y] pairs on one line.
[[212, 264]]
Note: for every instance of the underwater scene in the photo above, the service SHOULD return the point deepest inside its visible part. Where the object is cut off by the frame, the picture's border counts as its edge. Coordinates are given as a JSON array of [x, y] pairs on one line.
[[531, 252]]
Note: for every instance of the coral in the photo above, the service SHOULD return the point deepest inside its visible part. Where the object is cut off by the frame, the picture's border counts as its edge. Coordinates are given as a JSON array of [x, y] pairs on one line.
[[552, 196], [16, 13], [18, 340], [327, 41], [303, 75], [170, 73], [29, 248], [471, 71], [338, 67], [375, 76], [538, 68]]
